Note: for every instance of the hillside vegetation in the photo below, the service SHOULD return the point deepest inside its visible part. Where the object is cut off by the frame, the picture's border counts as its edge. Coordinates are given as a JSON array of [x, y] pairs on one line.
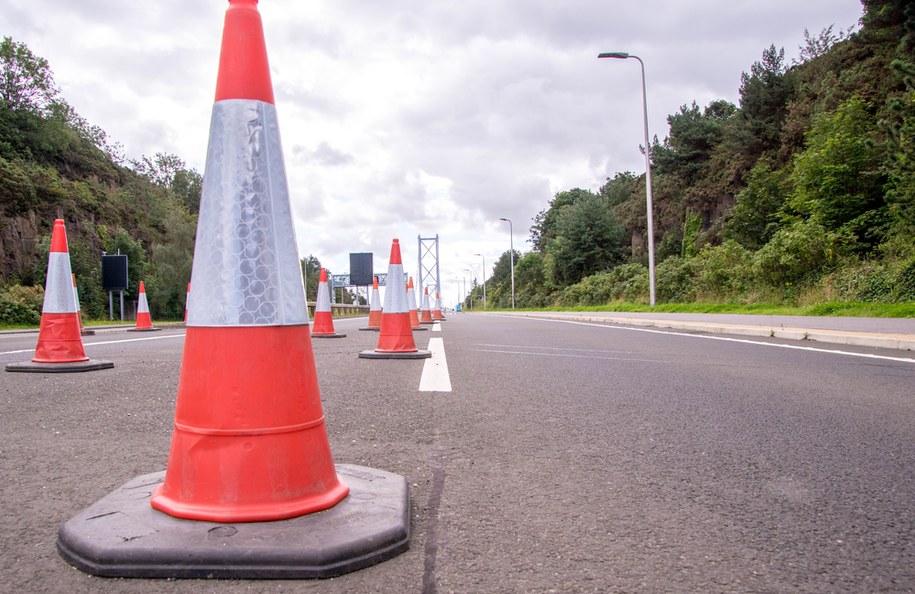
[[802, 194]]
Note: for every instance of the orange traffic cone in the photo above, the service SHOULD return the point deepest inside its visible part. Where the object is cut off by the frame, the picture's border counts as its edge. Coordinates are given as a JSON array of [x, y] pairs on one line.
[[60, 346], [411, 303], [144, 322], [375, 310], [425, 316], [324, 319], [79, 315], [395, 339], [437, 312], [249, 446]]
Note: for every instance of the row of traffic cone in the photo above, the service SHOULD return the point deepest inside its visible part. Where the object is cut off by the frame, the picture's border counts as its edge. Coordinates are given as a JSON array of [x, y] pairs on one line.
[[249, 445]]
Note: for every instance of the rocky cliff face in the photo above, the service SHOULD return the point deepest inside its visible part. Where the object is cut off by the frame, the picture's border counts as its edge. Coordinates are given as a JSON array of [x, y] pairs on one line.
[[19, 245]]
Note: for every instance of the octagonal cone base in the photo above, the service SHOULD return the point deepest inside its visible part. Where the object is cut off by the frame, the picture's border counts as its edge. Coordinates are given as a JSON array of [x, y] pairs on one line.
[[32, 367], [368, 329], [420, 329], [121, 535], [85, 332], [153, 329], [328, 335], [395, 355]]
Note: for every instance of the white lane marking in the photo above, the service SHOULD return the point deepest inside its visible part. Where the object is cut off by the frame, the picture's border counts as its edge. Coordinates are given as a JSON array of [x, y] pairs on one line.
[[568, 356], [89, 344], [517, 346], [435, 376], [740, 340], [436, 327]]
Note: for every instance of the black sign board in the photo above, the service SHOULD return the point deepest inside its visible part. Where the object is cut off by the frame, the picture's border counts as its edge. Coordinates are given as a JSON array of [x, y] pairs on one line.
[[360, 269], [114, 273]]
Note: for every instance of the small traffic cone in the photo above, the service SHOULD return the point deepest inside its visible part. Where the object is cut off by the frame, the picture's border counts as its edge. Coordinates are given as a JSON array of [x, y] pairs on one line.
[[425, 315], [79, 315], [144, 321], [395, 339], [437, 311], [60, 346], [324, 318], [249, 446], [411, 303], [375, 310]]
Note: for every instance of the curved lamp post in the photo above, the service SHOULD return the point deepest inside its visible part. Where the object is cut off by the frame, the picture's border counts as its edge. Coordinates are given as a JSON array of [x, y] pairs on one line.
[[623, 56], [511, 243]]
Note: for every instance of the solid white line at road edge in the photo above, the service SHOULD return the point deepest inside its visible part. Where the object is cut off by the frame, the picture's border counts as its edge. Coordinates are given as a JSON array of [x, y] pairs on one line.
[[741, 340], [435, 376]]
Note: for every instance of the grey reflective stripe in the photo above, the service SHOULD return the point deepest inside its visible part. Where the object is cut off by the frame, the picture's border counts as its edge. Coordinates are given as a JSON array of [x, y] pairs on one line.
[[142, 304], [58, 286], [395, 294], [323, 301], [246, 264]]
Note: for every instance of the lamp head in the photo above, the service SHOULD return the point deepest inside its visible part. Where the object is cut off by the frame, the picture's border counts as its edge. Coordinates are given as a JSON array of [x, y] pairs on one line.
[[617, 55]]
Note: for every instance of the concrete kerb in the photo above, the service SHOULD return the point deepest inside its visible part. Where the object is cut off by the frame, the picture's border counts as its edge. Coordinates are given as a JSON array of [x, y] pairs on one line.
[[846, 337]]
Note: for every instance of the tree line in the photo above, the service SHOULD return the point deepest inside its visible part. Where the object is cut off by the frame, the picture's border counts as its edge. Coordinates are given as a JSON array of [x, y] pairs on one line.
[[803, 193]]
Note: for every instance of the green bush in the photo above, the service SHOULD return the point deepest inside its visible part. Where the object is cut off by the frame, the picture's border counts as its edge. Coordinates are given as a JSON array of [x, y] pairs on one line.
[[628, 282], [675, 280], [798, 254], [724, 271], [21, 306], [904, 289]]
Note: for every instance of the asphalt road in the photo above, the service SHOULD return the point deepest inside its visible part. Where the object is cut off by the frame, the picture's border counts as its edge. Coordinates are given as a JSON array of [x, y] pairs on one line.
[[567, 457]]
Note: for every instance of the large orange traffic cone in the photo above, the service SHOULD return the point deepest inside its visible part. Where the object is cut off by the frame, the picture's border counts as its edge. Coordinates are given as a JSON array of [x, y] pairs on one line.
[[144, 321], [375, 310], [425, 315], [323, 326], [60, 346], [249, 446], [411, 303], [437, 310], [395, 339], [79, 315]]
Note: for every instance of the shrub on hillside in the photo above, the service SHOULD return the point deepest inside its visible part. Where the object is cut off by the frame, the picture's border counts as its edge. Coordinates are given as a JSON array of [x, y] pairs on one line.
[[21, 305]]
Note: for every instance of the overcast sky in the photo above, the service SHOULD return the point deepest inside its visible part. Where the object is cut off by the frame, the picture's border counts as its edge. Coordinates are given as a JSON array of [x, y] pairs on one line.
[[414, 117]]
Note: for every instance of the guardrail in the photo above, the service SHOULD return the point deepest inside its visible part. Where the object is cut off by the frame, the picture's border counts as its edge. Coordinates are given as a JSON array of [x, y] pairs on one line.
[[341, 310]]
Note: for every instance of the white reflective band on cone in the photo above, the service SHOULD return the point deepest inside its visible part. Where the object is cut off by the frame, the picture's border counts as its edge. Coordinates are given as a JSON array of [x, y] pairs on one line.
[[323, 301], [246, 264], [143, 304], [395, 295], [58, 287]]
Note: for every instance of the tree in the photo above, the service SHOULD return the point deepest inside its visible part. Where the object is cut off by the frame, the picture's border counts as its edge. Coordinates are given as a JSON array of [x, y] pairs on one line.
[[544, 227], [588, 239], [311, 270], [26, 81], [765, 93], [755, 216], [694, 134]]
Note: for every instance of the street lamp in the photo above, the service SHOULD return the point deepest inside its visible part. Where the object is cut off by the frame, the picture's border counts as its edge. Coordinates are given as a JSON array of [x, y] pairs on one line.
[[484, 278], [623, 56], [511, 243]]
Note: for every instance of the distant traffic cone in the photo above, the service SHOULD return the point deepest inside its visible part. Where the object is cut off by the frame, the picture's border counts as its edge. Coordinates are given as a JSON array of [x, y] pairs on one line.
[[437, 311], [323, 326], [249, 446], [60, 347], [144, 322], [375, 310], [425, 315], [79, 316], [411, 303], [395, 339]]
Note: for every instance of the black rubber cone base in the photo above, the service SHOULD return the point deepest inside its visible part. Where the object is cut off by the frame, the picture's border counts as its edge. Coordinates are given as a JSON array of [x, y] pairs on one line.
[[121, 535], [395, 355], [420, 329], [328, 335], [32, 367], [367, 329], [153, 329], [87, 332]]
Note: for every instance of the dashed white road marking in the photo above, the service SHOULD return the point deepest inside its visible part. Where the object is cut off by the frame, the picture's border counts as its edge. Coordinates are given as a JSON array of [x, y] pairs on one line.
[[435, 377], [437, 327]]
